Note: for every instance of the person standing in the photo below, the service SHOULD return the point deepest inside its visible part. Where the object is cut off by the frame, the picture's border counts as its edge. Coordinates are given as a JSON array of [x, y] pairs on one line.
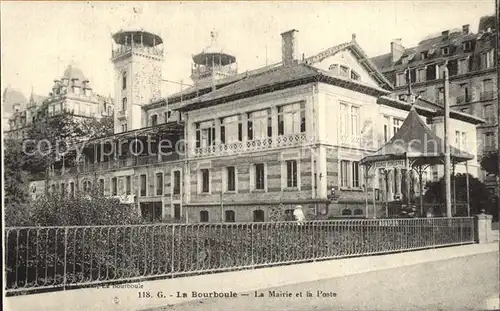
[[298, 213]]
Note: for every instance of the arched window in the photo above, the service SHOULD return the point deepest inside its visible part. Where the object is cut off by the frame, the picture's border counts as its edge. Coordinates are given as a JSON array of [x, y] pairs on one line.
[[346, 211], [154, 120], [124, 80], [258, 215], [203, 216], [358, 211], [229, 216]]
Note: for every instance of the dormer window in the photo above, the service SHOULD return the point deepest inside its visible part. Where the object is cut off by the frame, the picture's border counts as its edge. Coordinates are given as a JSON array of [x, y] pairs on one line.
[[467, 46], [355, 75], [445, 50], [424, 55], [404, 60], [344, 71], [334, 68]]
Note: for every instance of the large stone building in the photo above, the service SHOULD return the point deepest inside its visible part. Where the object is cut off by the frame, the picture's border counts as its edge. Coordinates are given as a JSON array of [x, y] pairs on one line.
[[470, 58], [235, 145], [72, 93]]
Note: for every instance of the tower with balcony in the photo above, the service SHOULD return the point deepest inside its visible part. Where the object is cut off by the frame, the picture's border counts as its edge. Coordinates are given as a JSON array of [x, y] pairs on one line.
[[212, 64], [137, 56]]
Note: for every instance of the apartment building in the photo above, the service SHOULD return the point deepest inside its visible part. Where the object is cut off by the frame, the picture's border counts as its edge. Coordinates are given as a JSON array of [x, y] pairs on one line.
[[470, 59]]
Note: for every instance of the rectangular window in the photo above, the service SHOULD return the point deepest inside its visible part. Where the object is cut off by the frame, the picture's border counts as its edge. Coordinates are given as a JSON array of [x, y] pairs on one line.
[[159, 183], [72, 189], [463, 66], [124, 104], [154, 120], [114, 186], [124, 80], [424, 55], [489, 113], [205, 181], [143, 189], [177, 182], [421, 75], [63, 189], [204, 216], [177, 211], [344, 115], [344, 173], [488, 59], [489, 140], [344, 71], [457, 139], [291, 173], [231, 178], [396, 125], [355, 174], [205, 134], [258, 124], [128, 185], [355, 121], [467, 46], [230, 129], [445, 50], [259, 176], [463, 143], [400, 79]]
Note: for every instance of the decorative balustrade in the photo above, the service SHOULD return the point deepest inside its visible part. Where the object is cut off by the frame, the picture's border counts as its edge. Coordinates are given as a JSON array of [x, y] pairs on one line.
[[123, 49], [282, 141], [350, 140]]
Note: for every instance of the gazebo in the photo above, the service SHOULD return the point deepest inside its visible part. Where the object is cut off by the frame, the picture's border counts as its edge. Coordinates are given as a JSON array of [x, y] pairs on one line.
[[413, 148]]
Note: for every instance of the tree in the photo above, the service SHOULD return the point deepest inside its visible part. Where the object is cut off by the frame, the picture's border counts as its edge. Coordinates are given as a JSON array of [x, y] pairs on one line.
[[98, 128], [479, 195], [16, 198], [489, 162]]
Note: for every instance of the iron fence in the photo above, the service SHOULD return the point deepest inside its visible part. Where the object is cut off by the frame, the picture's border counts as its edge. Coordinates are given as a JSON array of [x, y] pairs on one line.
[[40, 258]]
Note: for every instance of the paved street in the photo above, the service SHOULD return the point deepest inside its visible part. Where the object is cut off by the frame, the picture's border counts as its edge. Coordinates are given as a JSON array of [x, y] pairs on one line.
[[461, 283]]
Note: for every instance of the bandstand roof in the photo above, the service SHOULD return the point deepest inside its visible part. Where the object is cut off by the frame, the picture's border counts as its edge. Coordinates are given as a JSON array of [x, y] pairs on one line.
[[417, 142]]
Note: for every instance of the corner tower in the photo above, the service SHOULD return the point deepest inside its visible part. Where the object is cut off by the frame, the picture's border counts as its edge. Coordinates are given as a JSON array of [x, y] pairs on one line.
[[212, 64], [137, 56]]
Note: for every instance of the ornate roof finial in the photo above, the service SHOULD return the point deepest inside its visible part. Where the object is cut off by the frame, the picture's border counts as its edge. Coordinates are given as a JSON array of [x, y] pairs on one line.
[[353, 37], [213, 35]]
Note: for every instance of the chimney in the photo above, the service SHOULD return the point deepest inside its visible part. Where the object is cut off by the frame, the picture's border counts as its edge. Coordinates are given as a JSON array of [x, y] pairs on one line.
[[397, 50], [289, 50], [465, 29], [445, 34]]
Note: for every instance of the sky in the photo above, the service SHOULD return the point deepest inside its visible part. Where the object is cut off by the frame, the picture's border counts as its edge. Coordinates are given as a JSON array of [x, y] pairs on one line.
[[40, 39]]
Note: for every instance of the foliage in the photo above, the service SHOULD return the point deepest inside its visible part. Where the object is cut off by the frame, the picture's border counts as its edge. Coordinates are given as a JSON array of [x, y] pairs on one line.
[[93, 127], [479, 195], [16, 198], [489, 163], [55, 209]]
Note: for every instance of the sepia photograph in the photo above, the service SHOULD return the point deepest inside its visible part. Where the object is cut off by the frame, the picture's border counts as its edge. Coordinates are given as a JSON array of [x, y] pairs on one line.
[[250, 155]]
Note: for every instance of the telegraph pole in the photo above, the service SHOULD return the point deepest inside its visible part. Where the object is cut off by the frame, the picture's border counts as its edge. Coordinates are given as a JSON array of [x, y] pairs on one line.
[[447, 160]]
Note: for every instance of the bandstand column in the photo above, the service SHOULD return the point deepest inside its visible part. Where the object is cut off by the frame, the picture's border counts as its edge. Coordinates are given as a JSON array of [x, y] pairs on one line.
[[398, 177], [390, 182]]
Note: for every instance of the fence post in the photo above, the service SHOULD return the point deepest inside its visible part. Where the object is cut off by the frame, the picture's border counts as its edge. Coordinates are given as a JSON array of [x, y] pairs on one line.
[[483, 232], [251, 245], [172, 252], [65, 256]]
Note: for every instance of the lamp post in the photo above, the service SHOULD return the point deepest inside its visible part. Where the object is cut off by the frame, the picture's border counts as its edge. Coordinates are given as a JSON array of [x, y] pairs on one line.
[[447, 160]]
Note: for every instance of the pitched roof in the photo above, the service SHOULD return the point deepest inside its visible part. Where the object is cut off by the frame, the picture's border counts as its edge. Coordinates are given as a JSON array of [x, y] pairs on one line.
[[10, 97], [361, 56], [275, 79], [418, 142]]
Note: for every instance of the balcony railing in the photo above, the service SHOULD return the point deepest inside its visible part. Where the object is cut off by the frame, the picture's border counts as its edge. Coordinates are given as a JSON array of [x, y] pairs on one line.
[[239, 147], [123, 49], [350, 140], [487, 95], [64, 257], [121, 114]]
